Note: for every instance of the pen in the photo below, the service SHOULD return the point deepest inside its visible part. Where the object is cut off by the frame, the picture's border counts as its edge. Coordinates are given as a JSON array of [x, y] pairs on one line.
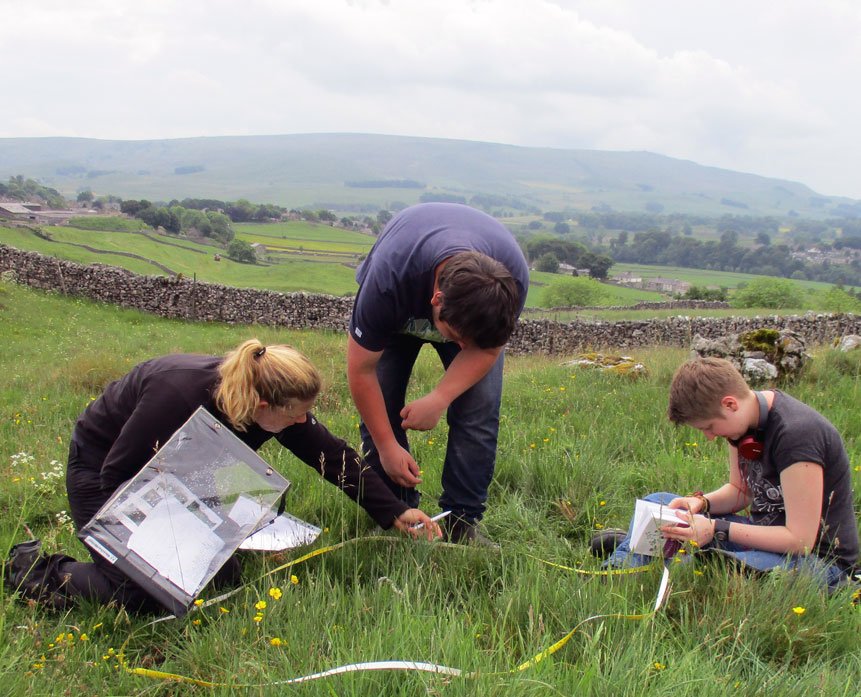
[[419, 526]]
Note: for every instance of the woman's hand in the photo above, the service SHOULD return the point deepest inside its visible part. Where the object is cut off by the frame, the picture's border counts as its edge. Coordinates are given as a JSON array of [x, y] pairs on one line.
[[418, 524], [691, 528], [694, 504]]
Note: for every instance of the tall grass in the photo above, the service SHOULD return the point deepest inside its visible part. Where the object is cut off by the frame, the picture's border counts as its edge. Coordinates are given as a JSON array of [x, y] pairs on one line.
[[576, 447]]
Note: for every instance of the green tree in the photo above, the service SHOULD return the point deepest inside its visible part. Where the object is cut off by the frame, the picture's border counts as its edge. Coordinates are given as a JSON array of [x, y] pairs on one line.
[[383, 218], [705, 293], [773, 293], [548, 262], [837, 299], [573, 292], [242, 211], [221, 228], [239, 250]]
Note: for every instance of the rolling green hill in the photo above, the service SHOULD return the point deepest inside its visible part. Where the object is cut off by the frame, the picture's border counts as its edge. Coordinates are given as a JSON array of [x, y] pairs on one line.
[[367, 172]]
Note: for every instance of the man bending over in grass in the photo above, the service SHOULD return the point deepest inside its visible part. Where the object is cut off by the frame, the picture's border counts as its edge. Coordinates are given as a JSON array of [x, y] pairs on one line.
[[787, 464], [454, 277]]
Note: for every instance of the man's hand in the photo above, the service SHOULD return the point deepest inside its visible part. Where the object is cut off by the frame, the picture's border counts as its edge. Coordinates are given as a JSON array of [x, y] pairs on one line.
[[400, 466], [424, 413], [412, 517]]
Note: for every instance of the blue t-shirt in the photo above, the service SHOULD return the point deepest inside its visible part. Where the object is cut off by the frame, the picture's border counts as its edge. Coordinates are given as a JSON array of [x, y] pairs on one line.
[[396, 279]]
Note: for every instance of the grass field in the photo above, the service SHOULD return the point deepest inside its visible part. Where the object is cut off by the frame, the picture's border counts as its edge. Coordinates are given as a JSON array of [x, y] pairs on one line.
[[575, 449]]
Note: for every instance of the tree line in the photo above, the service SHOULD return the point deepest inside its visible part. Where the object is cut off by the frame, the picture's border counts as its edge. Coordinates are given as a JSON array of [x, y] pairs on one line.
[[763, 258]]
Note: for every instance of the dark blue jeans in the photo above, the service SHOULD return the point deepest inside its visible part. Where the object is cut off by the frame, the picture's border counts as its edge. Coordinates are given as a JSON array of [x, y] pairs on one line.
[[829, 574], [473, 426]]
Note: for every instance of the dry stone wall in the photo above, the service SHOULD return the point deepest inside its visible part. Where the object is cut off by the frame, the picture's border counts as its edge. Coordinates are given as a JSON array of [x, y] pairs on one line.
[[186, 299]]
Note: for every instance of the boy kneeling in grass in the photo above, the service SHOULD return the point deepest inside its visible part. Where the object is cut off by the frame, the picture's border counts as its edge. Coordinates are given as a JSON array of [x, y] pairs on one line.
[[787, 464]]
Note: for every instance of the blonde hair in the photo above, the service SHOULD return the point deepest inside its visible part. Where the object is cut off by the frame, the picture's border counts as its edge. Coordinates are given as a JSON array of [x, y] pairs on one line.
[[277, 374], [699, 386]]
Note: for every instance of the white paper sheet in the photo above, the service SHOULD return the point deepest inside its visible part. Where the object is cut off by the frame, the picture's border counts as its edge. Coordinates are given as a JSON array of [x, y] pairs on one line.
[[285, 532], [247, 511], [177, 544]]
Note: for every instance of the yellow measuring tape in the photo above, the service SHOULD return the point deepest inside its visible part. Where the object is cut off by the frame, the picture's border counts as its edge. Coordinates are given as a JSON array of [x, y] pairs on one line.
[[396, 665]]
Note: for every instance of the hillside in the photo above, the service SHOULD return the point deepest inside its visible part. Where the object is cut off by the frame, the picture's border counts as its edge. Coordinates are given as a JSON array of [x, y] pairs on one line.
[[356, 171]]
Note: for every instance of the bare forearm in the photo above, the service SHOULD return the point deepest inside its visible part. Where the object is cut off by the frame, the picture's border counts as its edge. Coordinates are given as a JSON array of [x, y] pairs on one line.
[[368, 398], [770, 538], [729, 498]]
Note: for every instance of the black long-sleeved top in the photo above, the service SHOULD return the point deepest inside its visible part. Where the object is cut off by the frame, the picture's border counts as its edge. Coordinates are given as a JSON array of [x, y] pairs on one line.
[[138, 413]]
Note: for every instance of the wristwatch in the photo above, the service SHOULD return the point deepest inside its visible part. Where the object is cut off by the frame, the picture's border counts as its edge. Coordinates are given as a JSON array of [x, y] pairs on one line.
[[721, 530]]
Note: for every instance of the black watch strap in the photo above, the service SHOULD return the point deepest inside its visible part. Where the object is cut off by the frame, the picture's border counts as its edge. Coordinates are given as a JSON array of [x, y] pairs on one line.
[[721, 530]]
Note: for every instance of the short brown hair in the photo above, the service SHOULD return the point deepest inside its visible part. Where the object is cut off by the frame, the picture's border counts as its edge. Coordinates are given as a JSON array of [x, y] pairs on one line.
[[699, 386], [480, 298], [277, 374]]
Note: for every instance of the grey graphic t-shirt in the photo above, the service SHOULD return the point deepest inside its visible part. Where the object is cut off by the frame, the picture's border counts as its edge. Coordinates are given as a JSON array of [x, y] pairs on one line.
[[794, 433]]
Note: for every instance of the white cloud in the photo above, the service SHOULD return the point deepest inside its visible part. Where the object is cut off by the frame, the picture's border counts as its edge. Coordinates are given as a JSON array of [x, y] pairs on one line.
[[765, 87]]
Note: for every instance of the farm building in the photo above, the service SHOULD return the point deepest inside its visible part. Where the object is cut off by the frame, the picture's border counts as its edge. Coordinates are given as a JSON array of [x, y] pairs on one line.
[[15, 211], [667, 285]]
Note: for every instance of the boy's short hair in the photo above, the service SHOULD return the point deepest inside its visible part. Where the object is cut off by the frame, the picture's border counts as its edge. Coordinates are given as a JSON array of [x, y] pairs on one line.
[[480, 298], [698, 387]]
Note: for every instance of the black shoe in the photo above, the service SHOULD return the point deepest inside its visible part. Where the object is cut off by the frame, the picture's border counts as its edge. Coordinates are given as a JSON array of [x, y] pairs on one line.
[[604, 543], [464, 531], [23, 558], [36, 577]]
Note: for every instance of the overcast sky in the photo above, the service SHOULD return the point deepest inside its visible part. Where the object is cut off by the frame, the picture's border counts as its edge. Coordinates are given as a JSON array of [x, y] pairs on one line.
[[763, 86]]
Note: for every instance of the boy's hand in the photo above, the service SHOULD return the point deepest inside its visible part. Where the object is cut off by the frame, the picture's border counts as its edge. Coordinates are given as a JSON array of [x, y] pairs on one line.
[[424, 413], [407, 521], [400, 466]]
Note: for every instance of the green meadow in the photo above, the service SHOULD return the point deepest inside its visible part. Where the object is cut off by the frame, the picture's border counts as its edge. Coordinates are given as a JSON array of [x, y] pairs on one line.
[[576, 448]]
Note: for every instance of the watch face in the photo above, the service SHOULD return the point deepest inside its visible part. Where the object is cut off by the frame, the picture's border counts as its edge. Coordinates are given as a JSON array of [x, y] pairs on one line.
[[721, 536]]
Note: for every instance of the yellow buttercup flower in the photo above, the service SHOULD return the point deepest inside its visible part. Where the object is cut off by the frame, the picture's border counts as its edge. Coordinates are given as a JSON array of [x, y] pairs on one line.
[[275, 593], [294, 579], [275, 641], [260, 605], [799, 610]]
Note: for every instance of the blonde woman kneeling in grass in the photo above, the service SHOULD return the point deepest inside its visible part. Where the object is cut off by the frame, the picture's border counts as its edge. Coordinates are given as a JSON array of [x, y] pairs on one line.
[[258, 392]]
